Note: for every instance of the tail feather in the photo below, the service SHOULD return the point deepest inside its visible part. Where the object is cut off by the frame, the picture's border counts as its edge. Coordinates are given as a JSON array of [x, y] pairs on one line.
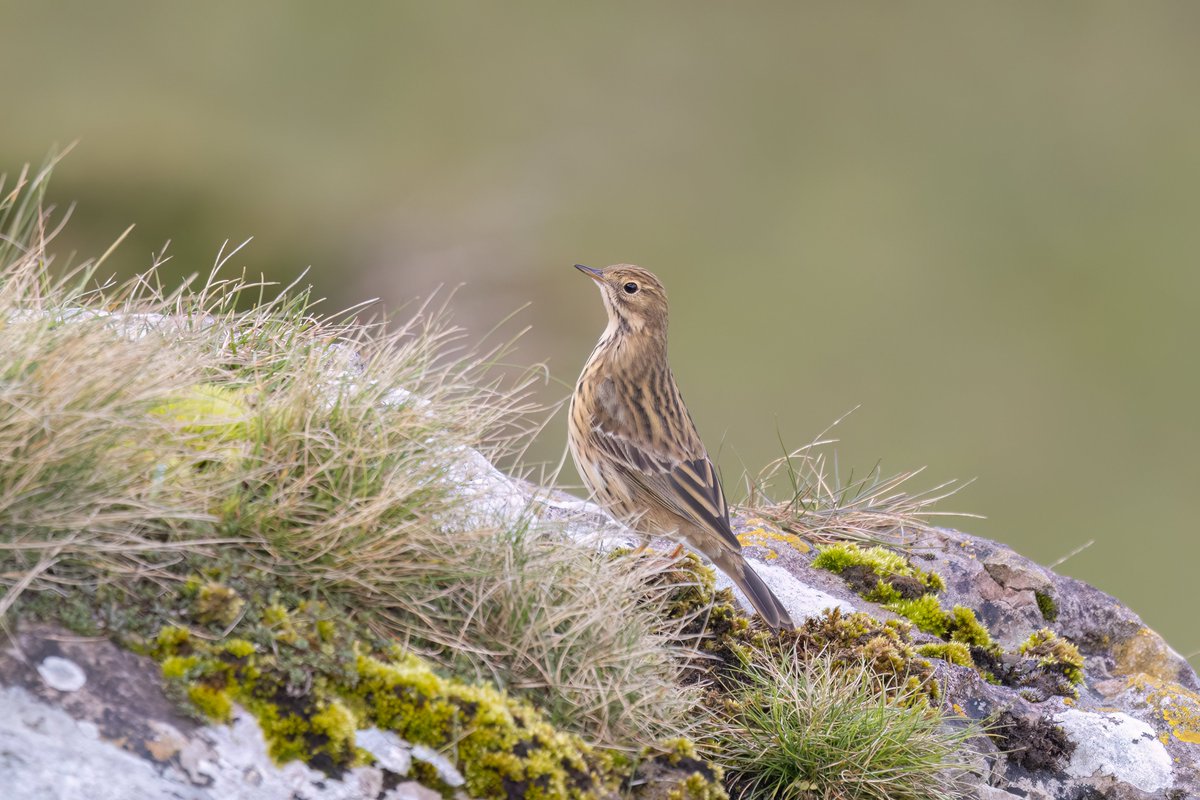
[[756, 590]]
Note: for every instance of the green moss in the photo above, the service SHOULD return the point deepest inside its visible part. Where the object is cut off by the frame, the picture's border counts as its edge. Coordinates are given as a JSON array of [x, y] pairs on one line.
[[697, 786], [925, 612], [210, 413], [176, 667], [310, 705], [320, 733], [1047, 606], [216, 604], [212, 702], [171, 639], [879, 574], [239, 648], [837, 557], [885, 647], [962, 626], [1056, 655], [952, 652]]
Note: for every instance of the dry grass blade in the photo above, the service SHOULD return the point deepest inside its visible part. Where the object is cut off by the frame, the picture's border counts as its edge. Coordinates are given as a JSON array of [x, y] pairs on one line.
[[822, 507]]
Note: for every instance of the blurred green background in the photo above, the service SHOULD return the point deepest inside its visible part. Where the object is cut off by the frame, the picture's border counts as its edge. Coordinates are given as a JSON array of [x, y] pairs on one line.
[[980, 222]]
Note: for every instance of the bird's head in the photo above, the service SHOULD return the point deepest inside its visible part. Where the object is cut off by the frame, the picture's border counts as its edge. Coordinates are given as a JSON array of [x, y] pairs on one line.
[[635, 300]]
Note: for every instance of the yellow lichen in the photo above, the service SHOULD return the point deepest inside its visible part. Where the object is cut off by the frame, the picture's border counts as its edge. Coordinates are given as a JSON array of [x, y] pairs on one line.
[[760, 535], [1178, 707], [1145, 653]]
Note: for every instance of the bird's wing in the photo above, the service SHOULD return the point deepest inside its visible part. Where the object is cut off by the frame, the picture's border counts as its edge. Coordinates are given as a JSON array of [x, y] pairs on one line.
[[670, 464]]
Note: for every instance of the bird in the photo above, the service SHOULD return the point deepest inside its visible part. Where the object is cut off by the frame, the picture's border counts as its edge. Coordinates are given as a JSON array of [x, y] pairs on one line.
[[635, 444]]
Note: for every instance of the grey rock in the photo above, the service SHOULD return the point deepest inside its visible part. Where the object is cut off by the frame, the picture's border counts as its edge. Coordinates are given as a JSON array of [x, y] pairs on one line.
[[1116, 745], [122, 738]]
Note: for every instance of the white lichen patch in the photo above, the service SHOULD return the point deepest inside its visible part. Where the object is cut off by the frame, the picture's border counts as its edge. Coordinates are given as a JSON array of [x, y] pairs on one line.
[[446, 770], [390, 751], [62, 674], [1116, 745]]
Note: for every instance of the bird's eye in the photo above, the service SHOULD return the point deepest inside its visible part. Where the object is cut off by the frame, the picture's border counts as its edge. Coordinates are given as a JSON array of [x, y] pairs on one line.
[[630, 288]]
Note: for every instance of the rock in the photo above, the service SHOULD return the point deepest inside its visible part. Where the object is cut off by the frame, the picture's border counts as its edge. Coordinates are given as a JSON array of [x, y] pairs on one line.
[[124, 739], [1115, 745]]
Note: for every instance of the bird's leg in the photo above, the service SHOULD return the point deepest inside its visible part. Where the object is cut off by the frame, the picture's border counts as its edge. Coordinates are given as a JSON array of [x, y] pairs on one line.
[[676, 553]]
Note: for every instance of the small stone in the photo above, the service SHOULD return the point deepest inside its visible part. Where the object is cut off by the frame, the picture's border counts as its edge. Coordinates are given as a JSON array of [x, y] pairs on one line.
[[62, 674]]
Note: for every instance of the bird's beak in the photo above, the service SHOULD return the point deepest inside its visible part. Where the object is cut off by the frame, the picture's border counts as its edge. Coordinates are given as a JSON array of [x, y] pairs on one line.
[[594, 274]]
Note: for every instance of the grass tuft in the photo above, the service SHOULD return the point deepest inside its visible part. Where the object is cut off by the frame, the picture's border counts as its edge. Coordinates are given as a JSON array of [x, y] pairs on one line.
[[819, 728], [823, 507]]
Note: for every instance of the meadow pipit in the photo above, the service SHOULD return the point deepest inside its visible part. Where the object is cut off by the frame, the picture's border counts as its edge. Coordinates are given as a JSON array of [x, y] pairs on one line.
[[634, 441]]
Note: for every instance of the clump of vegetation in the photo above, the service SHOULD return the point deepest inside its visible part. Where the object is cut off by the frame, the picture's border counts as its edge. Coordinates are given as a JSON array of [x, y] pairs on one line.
[[883, 576], [885, 648], [1033, 742], [952, 652], [220, 430], [820, 506], [824, 728], [1055, 657], [1047, 606], [727, 641], [876, 573], [312, 685], [959, 624], [1043, 666]]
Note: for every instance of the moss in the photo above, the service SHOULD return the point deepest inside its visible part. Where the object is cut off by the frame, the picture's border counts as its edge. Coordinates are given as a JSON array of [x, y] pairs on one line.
[[216, 604], [176, 667], [885, 647], [1047, 605], [962, 626], [925, 612], [239, 648], [697, 786], [312, 685], [1056, 656], [172, 639], [877, 573], [1034, 743], [212, 702], [320, 733], [210, 413], [952, 652]]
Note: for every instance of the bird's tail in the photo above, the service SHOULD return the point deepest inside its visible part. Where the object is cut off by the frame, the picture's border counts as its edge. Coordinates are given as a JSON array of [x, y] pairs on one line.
[[733, 564]]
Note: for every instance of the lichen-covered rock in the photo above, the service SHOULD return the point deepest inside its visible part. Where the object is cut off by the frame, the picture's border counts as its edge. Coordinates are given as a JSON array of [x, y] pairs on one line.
[[1096, 703], [124, 736]]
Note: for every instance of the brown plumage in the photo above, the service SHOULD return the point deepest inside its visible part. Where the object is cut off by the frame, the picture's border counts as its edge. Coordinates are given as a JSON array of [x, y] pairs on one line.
[[634, 441]]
